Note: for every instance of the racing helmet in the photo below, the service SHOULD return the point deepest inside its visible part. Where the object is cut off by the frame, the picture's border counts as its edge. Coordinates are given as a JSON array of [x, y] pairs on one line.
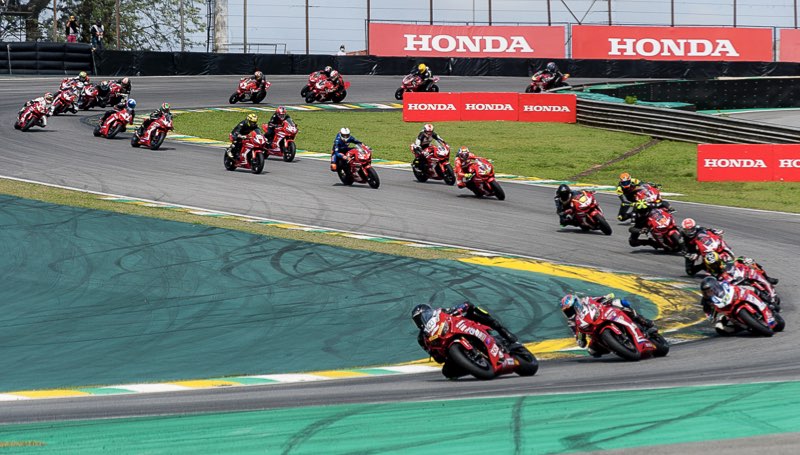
[[428, 128], [551, 67], [713, 262], [83, 76], [625, 181], [564, 192], [420, 314], [164, 107], [258, 75], [689, 227], [344, 133], [328, 69], [334, 74], [463, 154], [131, 103], [48, 97], [712, 287], [125, 81], [252, 119], [569, 305], [281, 112], [422, 67]]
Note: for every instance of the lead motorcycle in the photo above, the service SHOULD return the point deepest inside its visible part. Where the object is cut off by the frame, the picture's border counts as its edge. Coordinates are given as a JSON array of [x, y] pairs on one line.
[[155, 133], [587, 213], [413, 83], [481, 181], [612, 330], [356, 166], [251, 154], [540, 84], [470, 348], [433, 163]]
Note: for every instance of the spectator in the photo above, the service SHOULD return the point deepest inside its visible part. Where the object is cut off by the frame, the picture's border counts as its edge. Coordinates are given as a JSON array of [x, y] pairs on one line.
[[72, 30], [341, 50], [97, 34]]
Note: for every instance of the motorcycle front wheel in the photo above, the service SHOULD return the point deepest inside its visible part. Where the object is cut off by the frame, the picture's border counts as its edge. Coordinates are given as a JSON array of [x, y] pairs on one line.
[[233, 99], [529, 89], [498, 191], [604, 226], [471, 361], [310, 97], [304, 91], [434, 88], [257, 164], [449, 176], [620, 345], [398, 94], [29, 124], [755, 325], [289, 151], [661, 343], [157, 140], [339, 97], [372, 178], [112, 133], [134, 141], [528, 365]]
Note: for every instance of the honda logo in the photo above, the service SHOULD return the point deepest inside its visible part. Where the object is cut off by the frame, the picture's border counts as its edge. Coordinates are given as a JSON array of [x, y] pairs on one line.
[[430, 107], [538, 108], [789, 163], [724, 162], [488, 107], [649, 47], [460, 43]]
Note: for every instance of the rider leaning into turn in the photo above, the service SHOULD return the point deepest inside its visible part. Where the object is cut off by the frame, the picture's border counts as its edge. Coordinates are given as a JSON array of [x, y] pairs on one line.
[[240, 131], [155, 115], [340, 146], [425, 75], [464, 159], [563, 201], [129, 105], [258, 77], [571, 305], [690, 230], [47, 101], [276, 121], [551, 75]]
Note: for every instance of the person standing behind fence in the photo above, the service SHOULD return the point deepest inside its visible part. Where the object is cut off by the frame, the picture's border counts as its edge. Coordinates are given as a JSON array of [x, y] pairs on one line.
[[72, 30], [97, 34]]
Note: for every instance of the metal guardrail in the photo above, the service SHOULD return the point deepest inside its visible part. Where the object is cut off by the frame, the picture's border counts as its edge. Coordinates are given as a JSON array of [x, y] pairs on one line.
[[679, 125]]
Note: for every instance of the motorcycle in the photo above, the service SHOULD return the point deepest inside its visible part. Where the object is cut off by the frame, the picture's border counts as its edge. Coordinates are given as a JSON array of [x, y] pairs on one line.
[[661, 227], [469, 348], [540, 84], [313, 78], [115, 123], [752, 277], [356, 166], [30, 116], [109, 93], [89, 98], [745, 311], [155, 133], [433, 163], [251, 154], [411, 83], [324, 90], [480, 180], [65, 101], [587, 215], [706, 242], [611, 329], [283, 141], [650, 193], [70, 83], [248, 90]]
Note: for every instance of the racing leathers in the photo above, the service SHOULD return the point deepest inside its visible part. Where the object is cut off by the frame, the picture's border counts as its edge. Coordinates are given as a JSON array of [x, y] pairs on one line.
[[423, 141], [462, 170], [627, 196], [240, 131], [594, 350], [340, 147], [122, 105], [564, 208], [731, 294], [47, 108], [691, 251], [274, 122], [155, 115], [426, 78]]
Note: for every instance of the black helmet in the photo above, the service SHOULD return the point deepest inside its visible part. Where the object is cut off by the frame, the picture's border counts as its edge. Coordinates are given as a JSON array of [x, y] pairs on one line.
[[551, 67], [564, 192], [710, 287], [421, 313]]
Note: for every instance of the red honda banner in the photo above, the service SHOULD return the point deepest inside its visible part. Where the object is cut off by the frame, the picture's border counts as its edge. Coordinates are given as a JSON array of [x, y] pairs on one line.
[[672, 43], [400, 40], [748, 162], [790, 45], [547, 107], [475, 106]]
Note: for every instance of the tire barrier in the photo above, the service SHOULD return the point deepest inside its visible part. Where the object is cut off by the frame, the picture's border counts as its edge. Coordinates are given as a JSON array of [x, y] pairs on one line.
[[45, 58]]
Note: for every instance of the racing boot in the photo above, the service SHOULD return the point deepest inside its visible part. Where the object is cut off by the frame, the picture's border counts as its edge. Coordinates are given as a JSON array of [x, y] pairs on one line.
[[772, 281]]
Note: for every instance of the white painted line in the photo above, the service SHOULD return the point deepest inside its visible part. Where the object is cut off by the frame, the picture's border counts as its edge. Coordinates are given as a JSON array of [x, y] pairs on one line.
[[411, 368], [12, 397], [146, 388], [291, 377]]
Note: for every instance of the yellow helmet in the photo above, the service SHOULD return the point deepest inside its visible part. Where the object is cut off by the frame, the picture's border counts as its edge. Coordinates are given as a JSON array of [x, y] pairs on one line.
[[422, 67], [252, 118]]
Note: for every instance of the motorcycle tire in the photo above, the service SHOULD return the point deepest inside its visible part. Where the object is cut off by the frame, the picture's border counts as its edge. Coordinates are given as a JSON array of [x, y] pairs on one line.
[[528, 365], [398, 94], [134, 141], [343, 170], [372, 178], [449, 176], [339, 97], [112, 133], [310, 97], [755, 325], [228, 161], [604, 226], [29, 124], [96, 131], [16, 125], [257, 163], [475, 363], [498, 191], [157, 140], [676, 243], [618, 347], [780, 323], [529, 89], [434, 88], [419, 174], [661, 344], [233, 99], [289, 151], [304, 91]]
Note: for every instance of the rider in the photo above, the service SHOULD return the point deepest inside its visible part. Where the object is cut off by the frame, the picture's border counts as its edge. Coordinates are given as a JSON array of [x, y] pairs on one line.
[[464, 159], [258, 78], [240, 131], [125, 83], [719, 293], [641, 211], [276, 121], [46, 100], [563, 201], [551, 75], [129, 105], [155, 115], [340, 146], [734, 272], [690, 231], [80, 79], [327, 71], [425, 76], [425, 138], [336, 80], [571, 304], [626, 190]]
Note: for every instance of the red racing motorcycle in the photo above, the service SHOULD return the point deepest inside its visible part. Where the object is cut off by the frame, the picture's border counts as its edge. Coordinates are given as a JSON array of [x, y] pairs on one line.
[[412, 83], [356, 166], [64, 102], [469, 348], [251, 154], [313, 78], [707, 241], [586, 213], [745, 311], [89, 98], [481, 181], [753, 277], [109, 93], [541, 84], [249, 90], [283, 141], [661, 227], [324, 90], [433, 163], [115, 123], [155, 133], [612, 330], [31, 116]]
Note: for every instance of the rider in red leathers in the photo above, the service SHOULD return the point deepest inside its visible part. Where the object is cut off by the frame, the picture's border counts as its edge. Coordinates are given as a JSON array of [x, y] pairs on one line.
[[719, 293], [464, 159]]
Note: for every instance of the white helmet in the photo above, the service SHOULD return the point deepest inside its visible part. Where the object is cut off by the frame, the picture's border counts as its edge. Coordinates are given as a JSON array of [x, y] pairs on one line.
[[345, 132]]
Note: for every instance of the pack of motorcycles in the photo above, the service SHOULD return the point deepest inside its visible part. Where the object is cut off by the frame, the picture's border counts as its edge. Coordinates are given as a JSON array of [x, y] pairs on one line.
[[465, 346]]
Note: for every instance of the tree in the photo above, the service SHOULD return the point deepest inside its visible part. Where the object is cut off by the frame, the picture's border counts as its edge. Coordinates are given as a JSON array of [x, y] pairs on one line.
[[144, 24]]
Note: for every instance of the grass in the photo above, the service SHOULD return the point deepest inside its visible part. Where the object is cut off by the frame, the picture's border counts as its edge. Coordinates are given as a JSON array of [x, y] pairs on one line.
[[546, 150]]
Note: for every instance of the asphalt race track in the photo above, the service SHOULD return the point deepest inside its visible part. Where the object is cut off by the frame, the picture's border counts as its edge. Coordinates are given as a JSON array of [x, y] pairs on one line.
[[66, 153]]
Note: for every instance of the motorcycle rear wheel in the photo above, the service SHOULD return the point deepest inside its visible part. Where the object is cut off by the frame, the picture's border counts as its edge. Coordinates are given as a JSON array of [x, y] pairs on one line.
[[233, 99], [419, 174], [310, 97], [257, 164], [372, 178], [475, 363], [449, 176], [498, 191], [134, 141], [398, 94], [228, 161], [343, 169], [755, 325], [304, 91], [289, 151], [157, 140], [604, 226], [618, 347]]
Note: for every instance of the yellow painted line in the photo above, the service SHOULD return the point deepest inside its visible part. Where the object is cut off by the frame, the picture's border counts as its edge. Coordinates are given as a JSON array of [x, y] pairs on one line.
[[313, 108], [205, 383], [55, 393], [352, 106], [551, 345], [340, 374]]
